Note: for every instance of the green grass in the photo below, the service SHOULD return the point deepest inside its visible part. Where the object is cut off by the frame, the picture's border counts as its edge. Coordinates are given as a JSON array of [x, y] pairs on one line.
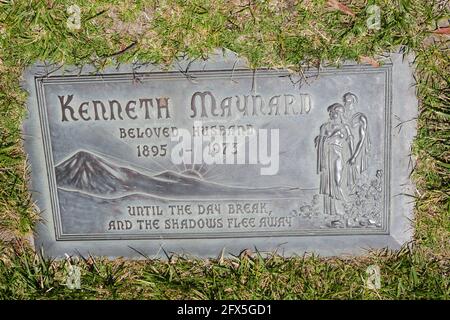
[[289, 34], [407, 274]]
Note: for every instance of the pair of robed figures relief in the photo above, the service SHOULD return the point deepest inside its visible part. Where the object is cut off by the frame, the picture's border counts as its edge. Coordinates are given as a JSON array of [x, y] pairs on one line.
[[342, 147]]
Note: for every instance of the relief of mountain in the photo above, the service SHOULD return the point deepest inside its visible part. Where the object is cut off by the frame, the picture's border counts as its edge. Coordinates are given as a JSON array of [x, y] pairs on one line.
[[94, 175]]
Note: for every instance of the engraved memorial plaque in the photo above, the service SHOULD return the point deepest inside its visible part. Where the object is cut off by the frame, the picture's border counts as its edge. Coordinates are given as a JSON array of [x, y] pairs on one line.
[[211, 155]]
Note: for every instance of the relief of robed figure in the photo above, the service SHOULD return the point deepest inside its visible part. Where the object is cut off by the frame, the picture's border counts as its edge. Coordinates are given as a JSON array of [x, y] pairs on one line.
[[334, 146], [358, 162]]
